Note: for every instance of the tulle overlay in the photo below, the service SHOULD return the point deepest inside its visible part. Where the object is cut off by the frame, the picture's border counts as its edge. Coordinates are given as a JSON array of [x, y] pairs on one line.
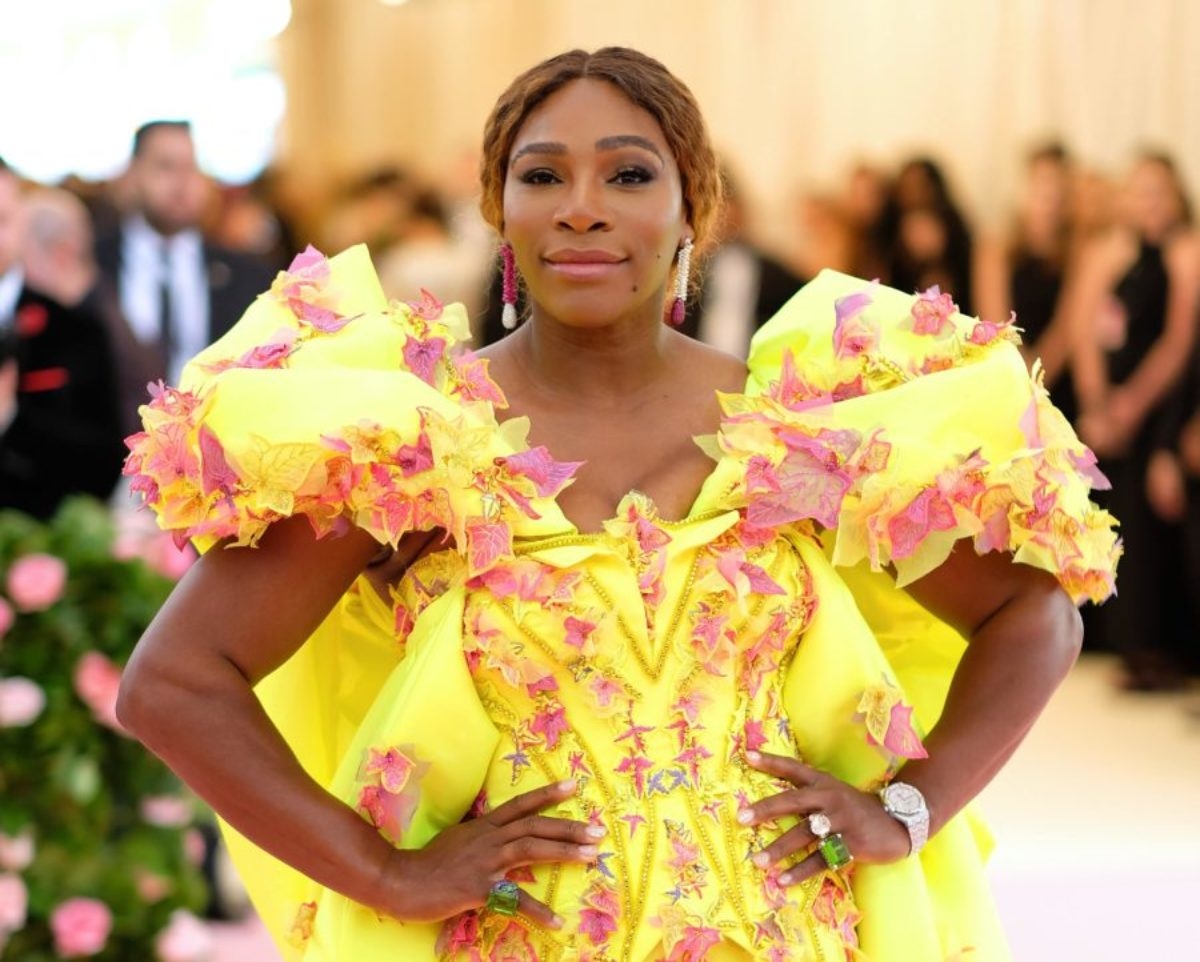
[[644, 660]]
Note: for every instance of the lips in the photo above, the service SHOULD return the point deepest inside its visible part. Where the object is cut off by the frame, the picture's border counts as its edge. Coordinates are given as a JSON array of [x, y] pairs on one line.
[[582, 263]]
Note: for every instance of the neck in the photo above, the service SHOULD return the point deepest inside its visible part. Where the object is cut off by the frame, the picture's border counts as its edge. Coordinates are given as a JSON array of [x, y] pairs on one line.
[[614, 361]]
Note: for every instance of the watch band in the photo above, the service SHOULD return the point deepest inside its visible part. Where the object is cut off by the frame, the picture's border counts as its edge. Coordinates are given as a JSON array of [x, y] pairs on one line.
[[906, 804]]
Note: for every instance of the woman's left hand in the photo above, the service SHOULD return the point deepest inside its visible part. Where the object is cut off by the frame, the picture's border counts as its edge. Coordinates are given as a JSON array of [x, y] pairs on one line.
[[871, 834]]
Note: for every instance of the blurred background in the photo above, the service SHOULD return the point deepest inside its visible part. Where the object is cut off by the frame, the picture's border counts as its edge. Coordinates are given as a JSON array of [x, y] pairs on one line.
[[1036, 155]]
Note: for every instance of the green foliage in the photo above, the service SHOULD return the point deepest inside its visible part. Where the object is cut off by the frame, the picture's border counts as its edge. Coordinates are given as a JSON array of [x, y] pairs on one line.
[[74, 782]]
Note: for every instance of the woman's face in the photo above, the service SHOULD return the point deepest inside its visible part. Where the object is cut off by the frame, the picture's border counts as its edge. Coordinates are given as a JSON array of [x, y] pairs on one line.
[[593, 207], [1152, 200]]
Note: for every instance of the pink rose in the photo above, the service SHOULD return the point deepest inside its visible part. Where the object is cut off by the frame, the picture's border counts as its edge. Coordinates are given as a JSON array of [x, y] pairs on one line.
[[167, 558], [14, 901], [80, 927], [151, 888], [194, 848], [16, 851], [21, 701], [97, 681], [185, 939], [166, 811], [6, 617], [36, 581]]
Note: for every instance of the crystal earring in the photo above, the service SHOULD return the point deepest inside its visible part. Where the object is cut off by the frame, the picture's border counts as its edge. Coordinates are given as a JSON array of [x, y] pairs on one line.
[[508, 317], [683, 267]]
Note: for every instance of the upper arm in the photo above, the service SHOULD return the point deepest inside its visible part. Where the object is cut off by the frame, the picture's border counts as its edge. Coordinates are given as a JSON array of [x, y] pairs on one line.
[[254, 607], [968, 589]]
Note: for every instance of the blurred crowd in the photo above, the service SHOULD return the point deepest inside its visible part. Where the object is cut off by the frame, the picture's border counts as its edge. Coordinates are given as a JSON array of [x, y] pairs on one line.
[[105, 288]]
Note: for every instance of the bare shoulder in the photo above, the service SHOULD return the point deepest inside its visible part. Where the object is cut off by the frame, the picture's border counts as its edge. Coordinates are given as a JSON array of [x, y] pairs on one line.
[[1183, 254]]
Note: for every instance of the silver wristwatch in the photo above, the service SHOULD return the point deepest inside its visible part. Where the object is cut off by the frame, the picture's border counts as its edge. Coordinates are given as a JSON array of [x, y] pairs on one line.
[[907, 806]]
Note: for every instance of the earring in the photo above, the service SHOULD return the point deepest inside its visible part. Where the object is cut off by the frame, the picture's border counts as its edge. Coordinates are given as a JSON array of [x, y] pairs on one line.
[[683, 267], [508, 316]]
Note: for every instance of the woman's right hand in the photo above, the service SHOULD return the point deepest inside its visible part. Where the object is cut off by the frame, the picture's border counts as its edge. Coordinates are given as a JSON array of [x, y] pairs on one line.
[[455, 871]]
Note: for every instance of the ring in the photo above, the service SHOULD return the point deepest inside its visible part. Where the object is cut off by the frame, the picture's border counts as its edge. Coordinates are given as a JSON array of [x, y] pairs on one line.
[[503, 897], [834, 850], [819, 824]]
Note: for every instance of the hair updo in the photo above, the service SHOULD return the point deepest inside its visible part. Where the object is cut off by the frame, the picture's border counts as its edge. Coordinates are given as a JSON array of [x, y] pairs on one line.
[[648, 85]]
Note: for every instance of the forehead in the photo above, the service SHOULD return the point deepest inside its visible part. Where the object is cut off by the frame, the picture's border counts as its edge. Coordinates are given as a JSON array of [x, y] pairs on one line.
[[167, 141], [585, 111]]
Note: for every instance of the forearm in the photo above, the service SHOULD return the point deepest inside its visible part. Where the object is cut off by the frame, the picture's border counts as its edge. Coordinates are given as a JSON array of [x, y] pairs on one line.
[[207, 725], [1011, 667]]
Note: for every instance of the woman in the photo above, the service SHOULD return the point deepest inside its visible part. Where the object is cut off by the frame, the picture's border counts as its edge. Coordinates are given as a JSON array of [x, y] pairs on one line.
[[1133, 329], [639, 716], [1025, 272]]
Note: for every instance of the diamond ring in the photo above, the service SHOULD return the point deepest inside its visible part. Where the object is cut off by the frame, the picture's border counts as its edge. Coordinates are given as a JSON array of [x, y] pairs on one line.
[[819, 825]]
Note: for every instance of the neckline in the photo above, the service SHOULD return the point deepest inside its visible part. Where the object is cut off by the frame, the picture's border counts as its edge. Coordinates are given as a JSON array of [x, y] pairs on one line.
[[696, 510]]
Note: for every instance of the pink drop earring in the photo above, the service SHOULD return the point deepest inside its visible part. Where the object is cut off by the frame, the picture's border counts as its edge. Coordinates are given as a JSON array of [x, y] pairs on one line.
[[508, 316], [683, 267]]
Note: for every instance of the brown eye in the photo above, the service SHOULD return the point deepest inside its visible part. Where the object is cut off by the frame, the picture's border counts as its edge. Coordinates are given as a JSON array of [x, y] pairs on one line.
[[629, 176]]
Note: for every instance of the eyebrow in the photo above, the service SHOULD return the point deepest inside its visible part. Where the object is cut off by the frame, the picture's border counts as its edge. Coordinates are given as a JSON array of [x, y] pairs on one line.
[[604, 143]]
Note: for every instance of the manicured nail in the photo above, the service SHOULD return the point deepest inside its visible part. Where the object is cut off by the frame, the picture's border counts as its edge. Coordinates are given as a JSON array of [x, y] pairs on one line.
[[588, 851], [762, 860], [785, 879], [556, 922], [745, 816], [596, 831], [567, 786], [753, 757]]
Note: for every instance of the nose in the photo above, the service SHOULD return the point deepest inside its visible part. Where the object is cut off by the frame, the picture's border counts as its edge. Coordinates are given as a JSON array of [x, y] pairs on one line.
[[583, 209]]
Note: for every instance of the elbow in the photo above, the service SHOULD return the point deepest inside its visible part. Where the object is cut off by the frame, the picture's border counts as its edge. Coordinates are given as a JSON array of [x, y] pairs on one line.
[[139, 695], [1064, 632]]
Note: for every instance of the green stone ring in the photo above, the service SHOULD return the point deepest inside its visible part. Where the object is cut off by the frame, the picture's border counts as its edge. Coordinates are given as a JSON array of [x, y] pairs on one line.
[[835, 852], [503, 898]]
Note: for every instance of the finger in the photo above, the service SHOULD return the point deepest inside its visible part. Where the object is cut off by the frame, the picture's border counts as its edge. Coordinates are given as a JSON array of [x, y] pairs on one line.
[[527, 850], [791, 769], [804, 869], [537, 911], [788, 844], [796, 801], [532, 802], [557, 829]]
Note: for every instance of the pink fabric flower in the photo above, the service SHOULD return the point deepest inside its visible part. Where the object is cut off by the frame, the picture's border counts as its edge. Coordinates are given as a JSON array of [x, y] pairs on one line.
[[14, 903], [16, 851], [7, 617], [165, 811], [185, 939], [97, 681], [36, 581], [80, 927], [21, 702]]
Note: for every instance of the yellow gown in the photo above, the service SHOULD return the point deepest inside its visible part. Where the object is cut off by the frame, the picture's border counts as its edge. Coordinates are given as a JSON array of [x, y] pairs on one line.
[[876, 430]]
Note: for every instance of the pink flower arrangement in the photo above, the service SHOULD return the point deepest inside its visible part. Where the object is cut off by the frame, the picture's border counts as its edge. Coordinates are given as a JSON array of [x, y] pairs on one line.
[[166, 811], [14, 903], [16, 851], [21, 702], [36, 581], [185, 939], [81, 927], [97, 681]]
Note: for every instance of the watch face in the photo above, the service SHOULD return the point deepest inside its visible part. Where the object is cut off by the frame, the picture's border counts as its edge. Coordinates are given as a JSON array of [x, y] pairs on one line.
[[903, 799]]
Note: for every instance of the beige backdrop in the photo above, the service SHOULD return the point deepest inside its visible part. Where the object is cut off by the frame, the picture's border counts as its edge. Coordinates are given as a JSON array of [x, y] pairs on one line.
[[794, 90]]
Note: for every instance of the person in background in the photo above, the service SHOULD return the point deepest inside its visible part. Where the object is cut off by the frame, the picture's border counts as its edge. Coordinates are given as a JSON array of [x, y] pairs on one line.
[[177, 291], [59, 429], [1133, 326], [1024, 272], [742, 286], [929, 240], [864, 202]]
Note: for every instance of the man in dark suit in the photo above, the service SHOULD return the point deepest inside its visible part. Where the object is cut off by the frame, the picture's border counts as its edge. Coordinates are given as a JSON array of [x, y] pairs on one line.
[[177, 292], [59, 428]]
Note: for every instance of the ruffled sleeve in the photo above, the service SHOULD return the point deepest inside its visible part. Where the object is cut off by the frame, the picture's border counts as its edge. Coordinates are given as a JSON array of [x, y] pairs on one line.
[[328, 401], [902, 426]]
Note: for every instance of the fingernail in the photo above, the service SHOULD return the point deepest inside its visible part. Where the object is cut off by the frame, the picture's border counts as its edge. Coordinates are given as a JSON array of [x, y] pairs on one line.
[[588, 851], [745, 816], [556, 922], [761, 860], [567, 786], [596, 831], [753, 757], [785, 879]]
